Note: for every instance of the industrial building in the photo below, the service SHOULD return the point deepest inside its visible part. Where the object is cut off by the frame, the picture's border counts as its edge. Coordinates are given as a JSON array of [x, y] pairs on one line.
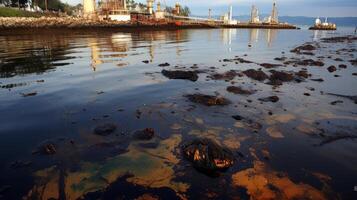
[[118, 10], [140, 14]]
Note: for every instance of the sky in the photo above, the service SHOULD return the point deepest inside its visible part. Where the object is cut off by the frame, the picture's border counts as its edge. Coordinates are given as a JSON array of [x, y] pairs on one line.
[[310, 8]]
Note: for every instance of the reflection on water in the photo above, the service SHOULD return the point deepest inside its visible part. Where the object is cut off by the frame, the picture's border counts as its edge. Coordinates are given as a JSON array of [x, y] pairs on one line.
[[254, 36], [38, 56], [56, 88]]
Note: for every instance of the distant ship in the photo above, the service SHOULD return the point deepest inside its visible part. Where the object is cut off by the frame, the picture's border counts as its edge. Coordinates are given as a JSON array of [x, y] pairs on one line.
[[323, 26]]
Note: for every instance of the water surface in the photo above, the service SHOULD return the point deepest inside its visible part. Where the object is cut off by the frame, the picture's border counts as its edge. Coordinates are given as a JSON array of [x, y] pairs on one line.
[[56, 87]]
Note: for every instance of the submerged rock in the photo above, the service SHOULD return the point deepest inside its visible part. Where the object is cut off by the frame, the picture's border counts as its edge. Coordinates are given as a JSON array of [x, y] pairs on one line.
[[317, 79], [207, 155], [281, 76], [208, 100], [242, 60], [20, 164], [280, 58], [302, 73], [273, 99], [187, 75], [353, 98], [353, 62], [342, 66], [269, 65], [331, 69], [306, 47], [228, 76], [238, 90], [164, 64], [336, 102], [105, 129], [305, 62], [339, 39], [145, 134], [237, 117], [29, 94], [255, 74]]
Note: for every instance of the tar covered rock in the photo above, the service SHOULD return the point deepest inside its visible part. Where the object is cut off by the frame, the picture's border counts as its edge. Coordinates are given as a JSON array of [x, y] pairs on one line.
[[238, 90], [145, 134], [331, 69], [255, 74], [105, 129], [208, 100], [187, 75], [208, 156]]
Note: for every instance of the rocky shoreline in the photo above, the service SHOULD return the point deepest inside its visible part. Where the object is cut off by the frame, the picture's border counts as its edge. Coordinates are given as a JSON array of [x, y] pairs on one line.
[[75, 23], [80, 23]]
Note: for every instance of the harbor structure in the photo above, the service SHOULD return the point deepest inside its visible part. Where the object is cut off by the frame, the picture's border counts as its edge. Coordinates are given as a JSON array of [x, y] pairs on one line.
[[227, 18], [319, 25], [145, 15]]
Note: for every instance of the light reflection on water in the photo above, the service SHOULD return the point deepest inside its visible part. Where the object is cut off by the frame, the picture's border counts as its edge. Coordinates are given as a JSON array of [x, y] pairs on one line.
[[82, 79]]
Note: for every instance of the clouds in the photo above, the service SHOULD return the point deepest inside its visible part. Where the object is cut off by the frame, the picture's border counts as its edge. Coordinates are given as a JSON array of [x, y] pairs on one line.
[[331, 8]]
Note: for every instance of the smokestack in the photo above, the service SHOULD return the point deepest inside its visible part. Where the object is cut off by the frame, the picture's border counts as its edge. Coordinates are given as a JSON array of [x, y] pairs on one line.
[[177, 8], [230, 13], [89, 8]]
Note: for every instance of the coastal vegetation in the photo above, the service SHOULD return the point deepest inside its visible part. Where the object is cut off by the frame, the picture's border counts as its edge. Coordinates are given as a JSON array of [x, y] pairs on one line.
[[13, 12], [36, 8]]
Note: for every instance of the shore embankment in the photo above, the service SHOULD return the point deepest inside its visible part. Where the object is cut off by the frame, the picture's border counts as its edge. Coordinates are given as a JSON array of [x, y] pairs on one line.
[[80, 23]]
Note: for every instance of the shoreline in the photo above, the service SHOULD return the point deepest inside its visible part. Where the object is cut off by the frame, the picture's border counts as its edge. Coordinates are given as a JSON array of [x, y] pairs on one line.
[[10, 23]]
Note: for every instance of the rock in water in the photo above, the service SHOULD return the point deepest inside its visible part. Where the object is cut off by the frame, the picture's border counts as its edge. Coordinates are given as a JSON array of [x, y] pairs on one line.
[[49, 149], [208, 100], [331, 69], [207, 155], [228, 76], [105, 129], [145, 134], [188, 75], [255, 74], [281, 76]]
